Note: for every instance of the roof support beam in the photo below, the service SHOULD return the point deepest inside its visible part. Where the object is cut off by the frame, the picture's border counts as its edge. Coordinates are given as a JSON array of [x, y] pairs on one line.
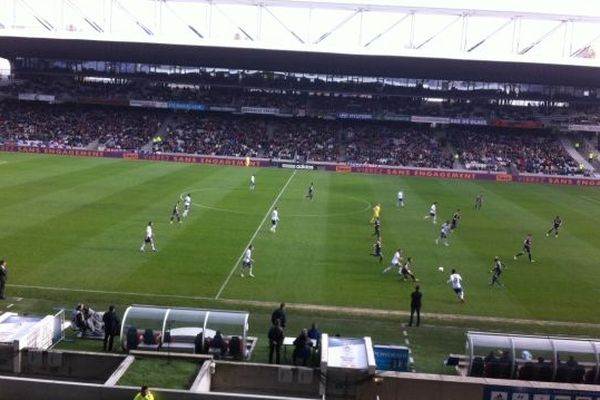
[[41, 20], [131, 16], [489, 36], [338, 26], [585, 48], [180, 18], [444, 28], [542, 38], [387, 30], [290, 31], [246, 34], [88, 20]]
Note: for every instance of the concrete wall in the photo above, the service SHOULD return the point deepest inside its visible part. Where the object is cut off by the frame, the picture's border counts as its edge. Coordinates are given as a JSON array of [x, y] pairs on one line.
[[81, 366], [265, 379], [12, 388], [412, 386]]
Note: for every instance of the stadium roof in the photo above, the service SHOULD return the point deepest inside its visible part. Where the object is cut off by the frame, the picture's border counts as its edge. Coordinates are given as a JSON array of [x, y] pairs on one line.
[[300, 61]]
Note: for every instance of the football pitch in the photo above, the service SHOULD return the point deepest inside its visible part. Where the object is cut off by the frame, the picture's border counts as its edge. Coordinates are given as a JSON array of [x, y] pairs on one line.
[[78, 223]]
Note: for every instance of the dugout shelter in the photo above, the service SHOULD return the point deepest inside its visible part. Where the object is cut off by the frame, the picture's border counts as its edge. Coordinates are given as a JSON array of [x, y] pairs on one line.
[[189, 330], [549, 358]]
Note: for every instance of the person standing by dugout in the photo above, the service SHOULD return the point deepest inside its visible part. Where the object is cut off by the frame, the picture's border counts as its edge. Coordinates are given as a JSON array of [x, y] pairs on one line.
[[3, 278], [111, 327], [415, 305]]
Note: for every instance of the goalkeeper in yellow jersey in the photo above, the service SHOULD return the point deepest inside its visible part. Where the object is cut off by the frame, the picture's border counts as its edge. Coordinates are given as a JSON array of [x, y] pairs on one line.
[[376, 212]]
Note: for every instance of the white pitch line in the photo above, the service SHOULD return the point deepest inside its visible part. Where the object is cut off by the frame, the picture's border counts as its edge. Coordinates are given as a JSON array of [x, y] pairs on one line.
[[10, 305], [407, 342], [330, 309], [254, 235], [59, 289], [405, 333]]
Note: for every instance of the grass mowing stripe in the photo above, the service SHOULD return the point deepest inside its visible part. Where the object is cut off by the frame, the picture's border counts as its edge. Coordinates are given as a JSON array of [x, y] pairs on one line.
[[254, 235], [336, 310], [111, 292]]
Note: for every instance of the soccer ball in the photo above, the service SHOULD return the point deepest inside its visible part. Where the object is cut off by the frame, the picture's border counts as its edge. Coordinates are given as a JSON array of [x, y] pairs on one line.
[[441, 269]]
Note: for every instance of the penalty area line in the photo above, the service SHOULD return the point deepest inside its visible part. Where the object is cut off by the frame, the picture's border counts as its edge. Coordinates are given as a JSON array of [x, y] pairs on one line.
[[254, 235]]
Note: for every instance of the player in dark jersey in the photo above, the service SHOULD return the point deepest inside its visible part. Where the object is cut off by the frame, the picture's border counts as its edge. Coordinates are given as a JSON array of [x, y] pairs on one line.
[[497, 271], [175, 213], [455, 219], [311, 192], [378, 250], [527, 244], [479, 201], [555, 227], [377, 228], [406, 271]]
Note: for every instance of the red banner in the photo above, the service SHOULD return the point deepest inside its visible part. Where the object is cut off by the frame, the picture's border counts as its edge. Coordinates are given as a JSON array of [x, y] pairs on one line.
[[344, 168], [507, 123]]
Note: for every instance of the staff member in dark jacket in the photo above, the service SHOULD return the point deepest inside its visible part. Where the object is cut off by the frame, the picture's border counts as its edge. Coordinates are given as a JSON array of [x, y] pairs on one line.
[[275, 342], [3, 278], [302, 347], [415, 305], [111, 327], [279, 314]]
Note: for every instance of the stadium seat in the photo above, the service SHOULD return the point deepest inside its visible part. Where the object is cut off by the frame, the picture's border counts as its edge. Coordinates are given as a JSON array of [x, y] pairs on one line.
[[477, 367], [235, 348], [545, 373], [132, 338], [527, 372], [504, 371], [577, 374], [199, 343], [590, 376], [492, 370], [149, 338], [563, 373]]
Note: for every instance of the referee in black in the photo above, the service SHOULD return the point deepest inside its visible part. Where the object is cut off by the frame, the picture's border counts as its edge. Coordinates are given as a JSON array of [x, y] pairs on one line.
[[415, 305]]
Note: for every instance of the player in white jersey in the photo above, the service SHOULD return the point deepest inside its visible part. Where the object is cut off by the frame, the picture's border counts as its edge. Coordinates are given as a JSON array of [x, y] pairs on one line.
[[187, 203], [432, 212], [400, 198], [396, 262], [247, 262], [149, 238], [456, 282], [444, 232], [252, 182], [274, 219]]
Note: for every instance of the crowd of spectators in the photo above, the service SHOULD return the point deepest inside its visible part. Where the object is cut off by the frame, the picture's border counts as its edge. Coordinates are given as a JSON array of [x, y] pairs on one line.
[[250, 91], [523, 150], [395, 145], [353, 142], [71, 126], [217, 136]]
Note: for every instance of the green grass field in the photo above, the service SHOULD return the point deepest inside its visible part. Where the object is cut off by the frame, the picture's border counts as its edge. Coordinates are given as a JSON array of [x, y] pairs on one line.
[[77, 223]]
